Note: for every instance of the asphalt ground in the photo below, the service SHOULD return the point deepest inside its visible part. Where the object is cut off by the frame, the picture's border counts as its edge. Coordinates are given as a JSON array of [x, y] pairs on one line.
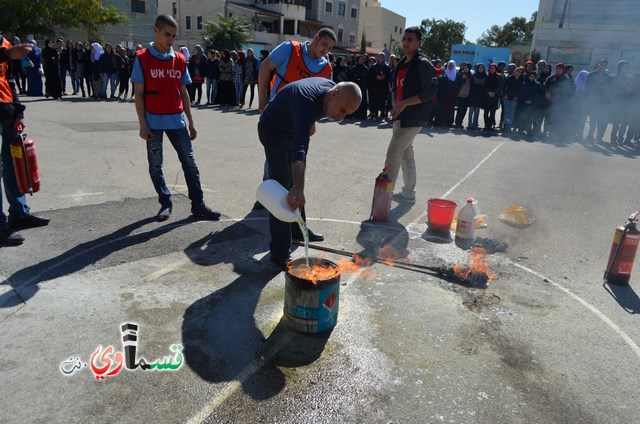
[[544, 342]]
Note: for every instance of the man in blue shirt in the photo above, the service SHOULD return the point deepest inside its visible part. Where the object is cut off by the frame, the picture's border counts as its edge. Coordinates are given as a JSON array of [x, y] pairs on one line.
[[160, 76], [284, 131]]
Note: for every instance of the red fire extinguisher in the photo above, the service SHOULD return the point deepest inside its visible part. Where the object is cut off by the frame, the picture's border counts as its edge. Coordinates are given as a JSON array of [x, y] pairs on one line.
[[623, 252], [382, 191], [25, 162]]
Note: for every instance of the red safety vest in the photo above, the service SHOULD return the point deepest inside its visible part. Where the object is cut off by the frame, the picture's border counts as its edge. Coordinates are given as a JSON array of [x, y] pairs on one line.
[[6, 94], [297, 70], [162, 82]]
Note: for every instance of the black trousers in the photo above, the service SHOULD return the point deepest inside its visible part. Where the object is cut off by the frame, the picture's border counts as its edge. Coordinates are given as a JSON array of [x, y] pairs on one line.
[[279, 162]]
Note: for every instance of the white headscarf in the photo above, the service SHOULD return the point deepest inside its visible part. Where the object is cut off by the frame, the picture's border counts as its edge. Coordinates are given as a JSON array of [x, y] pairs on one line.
[[185, 52], [451, 73], [97, 51], [581, 80]]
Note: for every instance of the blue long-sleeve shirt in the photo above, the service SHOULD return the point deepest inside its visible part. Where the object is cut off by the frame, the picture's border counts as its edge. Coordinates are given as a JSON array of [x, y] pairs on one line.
[[289, 116]]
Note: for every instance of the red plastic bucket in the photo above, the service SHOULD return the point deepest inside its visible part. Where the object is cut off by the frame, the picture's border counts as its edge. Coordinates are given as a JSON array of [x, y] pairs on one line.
[[440, 214]]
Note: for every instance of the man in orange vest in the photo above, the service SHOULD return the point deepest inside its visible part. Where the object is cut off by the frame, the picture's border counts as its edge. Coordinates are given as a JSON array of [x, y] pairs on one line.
[[11, 116], [288, 62]]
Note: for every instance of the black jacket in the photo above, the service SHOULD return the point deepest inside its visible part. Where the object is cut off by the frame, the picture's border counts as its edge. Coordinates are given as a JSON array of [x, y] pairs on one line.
[[421, 81]]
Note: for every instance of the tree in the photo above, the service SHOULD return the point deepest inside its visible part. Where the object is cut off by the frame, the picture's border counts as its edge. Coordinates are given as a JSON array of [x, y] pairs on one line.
[[363, 44], [439, 36], [227, 33], [517, 31], [46, 17]]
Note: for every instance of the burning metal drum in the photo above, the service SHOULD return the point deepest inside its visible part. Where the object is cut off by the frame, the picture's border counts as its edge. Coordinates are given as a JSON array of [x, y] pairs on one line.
[[311, 295]]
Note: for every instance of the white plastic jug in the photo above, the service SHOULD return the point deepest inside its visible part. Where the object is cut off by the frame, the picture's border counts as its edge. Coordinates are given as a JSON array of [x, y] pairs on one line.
[[466, 222], [274, 198]]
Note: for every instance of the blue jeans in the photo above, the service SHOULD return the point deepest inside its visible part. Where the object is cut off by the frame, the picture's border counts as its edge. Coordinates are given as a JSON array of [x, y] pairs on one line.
[[509, 111], [17, 200], [181, 142], [212, 90], [474, 113], [106, 78], [74, 80]]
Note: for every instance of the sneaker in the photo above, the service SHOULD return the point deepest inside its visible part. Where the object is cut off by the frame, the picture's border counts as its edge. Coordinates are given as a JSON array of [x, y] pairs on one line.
[[204, 213], [9, 238], [27, 221], [398, 197], [164, 213]]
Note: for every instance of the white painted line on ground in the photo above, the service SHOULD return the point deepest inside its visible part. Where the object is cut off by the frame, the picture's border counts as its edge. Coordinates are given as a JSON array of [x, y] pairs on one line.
[[587, 305]]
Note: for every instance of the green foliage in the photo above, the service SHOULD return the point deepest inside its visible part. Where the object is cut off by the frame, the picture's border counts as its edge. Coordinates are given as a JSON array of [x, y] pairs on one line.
[[46, 17], [439, 35], [363, 44], [517, 31], [227, 33]]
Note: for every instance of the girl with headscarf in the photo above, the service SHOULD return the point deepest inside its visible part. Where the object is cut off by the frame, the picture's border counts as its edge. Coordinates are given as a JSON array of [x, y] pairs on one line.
[[51, 62], [463, 89], [582, 110], [197, 71], [447, 91], [34, 71], [510, 98], [359, 75], [109, 71], [476, 95], [491, 97], [238, 75], [544, 107], [96, 52], [226, 90], [250, 75], [79, 59]]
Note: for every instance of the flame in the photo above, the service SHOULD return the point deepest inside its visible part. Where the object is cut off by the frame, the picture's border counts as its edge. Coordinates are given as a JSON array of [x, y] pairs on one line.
[[478, 265], [389, 255], [314, 273], [322, 272]]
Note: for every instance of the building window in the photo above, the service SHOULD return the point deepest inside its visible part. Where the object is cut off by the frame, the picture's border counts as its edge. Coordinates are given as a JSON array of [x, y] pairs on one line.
[[342, 7], [396, 30], [188, 23], [174, 9], [340, 31], [137, 6], [352, 38], [199, 22], [354, 13], [328, 7]]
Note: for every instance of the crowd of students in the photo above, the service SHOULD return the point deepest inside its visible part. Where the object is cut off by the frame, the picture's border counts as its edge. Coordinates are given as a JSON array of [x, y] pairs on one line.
[[535, 100], [540, 100]]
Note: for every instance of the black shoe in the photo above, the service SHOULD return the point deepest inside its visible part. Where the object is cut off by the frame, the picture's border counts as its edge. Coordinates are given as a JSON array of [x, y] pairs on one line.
[[163, 214], [204, 213], [297, 236], [27, 221], [258, 206], [9, 238], [281, 264]]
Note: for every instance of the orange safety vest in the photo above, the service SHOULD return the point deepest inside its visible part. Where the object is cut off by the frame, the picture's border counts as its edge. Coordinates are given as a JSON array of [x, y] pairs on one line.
[[6, 94], [162, 82], [297, 70]]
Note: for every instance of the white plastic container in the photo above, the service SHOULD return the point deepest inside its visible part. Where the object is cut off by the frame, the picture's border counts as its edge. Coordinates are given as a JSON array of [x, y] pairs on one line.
[[274, 198], [466, 222]]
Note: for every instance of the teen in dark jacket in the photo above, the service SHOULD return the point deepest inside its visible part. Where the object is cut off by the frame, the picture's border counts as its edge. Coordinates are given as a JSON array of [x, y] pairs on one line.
[[529, 99], [413, 91]]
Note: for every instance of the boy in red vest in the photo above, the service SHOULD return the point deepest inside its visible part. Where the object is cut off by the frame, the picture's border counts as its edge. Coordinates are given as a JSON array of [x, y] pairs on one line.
[[160, 76]]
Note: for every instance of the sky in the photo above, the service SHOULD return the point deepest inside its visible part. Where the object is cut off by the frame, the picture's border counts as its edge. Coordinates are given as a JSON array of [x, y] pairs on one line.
[[477, 16]]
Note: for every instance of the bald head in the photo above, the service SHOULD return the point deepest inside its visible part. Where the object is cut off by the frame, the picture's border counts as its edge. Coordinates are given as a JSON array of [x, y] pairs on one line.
[[342, 100]]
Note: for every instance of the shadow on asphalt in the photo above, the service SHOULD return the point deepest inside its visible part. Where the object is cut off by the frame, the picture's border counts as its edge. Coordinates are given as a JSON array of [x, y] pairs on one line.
[[222, 342], [625, 296], [79, 257]]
